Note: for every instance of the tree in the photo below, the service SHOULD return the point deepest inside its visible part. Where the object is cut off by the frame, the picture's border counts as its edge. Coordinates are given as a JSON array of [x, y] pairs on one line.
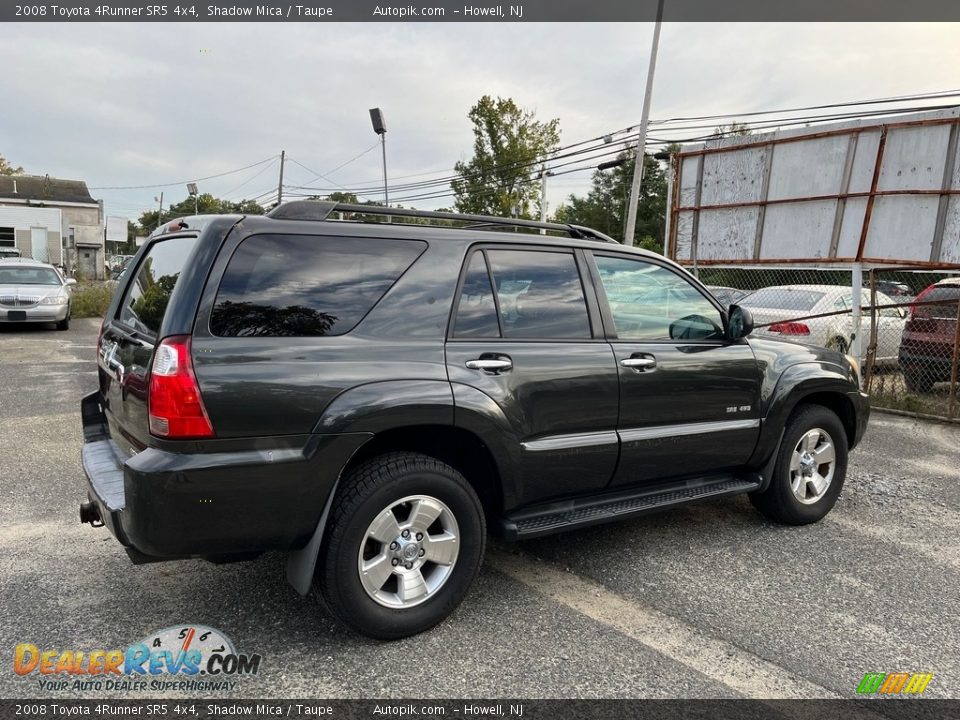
[[7, 169], [508, 145], [604, 207], [734, 129], [205, 204]]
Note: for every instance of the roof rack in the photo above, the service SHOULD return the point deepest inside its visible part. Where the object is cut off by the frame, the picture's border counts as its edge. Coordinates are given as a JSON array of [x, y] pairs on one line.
[[319, 210]]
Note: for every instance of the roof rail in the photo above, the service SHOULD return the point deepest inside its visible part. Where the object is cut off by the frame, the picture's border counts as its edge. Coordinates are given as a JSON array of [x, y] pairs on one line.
[[319, 210]]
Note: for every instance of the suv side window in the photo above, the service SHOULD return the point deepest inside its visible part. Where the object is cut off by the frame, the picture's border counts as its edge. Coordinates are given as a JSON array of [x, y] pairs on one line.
[[477, 310], [305, 285], [147, 295], [539, 294], [650, 302]]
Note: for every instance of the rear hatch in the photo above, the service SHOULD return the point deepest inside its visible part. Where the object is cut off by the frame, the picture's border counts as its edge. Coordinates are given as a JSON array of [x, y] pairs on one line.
[[130, 335]]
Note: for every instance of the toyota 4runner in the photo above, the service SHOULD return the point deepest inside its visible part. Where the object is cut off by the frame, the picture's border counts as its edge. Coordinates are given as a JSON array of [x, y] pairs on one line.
[[371, 397]]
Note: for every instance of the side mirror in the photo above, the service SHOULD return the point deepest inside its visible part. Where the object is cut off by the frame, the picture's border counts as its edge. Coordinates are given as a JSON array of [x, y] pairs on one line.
[[740, 323], [71, 281]]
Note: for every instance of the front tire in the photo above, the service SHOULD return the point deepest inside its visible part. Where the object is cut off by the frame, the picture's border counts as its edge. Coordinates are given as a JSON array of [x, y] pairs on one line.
[[405, 540], [810, 469]]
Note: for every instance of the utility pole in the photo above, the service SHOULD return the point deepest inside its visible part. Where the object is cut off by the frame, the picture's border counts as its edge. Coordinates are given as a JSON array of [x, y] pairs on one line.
[[283, 157], [543, 197], [642, 135], [380, 128], [160, 210]]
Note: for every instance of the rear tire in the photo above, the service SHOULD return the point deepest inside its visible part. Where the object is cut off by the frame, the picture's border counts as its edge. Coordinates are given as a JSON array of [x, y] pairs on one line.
[[810, 469], [386, 584]]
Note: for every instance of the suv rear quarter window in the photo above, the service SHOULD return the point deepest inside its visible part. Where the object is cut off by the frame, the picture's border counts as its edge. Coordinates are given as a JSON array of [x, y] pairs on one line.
[[305, 285], [145, 300]]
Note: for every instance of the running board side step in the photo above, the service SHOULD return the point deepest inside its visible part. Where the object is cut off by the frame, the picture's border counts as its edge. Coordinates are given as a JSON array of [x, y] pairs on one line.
[[585, 511]]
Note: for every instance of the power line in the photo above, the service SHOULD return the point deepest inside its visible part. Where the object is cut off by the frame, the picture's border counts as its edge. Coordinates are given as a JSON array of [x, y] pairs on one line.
[[183, 182], [873, 101], [249, 180]]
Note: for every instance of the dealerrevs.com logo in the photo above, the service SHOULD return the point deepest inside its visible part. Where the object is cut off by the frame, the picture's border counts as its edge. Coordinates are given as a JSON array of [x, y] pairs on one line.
[[183, 657], [898, 683]]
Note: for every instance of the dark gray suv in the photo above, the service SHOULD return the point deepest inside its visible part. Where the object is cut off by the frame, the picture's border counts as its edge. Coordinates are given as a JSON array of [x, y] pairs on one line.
[[372, 397]]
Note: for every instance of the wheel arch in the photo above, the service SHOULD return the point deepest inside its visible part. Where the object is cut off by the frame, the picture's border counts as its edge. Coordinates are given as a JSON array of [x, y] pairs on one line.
[[806, 383], [459, 448], [455, 446]]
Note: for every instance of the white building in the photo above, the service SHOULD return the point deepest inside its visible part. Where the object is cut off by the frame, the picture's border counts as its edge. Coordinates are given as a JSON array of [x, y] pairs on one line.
[[53, 220]]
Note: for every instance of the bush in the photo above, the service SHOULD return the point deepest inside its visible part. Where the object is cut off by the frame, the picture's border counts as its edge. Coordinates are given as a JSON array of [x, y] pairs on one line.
[[91, 299]]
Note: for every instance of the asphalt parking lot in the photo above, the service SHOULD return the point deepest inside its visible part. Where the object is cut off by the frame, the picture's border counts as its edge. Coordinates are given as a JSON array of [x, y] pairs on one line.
[[706, 601]]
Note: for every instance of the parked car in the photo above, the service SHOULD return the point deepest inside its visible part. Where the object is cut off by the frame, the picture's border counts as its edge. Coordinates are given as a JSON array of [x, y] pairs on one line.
[[783, 312], [929, 337], [894, 289], [371, 397], [116, 262], [9, 252], [32, 291], [727, 295], [120, 267]]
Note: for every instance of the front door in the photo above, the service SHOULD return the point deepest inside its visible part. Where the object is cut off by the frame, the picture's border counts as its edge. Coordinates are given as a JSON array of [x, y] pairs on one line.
[[688, 397], [528, 350], [38, 244]]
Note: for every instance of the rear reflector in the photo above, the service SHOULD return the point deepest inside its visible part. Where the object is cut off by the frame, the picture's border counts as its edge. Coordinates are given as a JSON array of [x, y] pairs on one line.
[[790, 328], [176, 408]]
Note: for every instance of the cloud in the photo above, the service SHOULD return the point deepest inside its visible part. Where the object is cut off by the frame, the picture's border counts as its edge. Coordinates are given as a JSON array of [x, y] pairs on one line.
[[133, 104]]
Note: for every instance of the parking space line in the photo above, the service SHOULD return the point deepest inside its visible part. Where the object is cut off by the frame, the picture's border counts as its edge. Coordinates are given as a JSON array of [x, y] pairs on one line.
[[740, 670]]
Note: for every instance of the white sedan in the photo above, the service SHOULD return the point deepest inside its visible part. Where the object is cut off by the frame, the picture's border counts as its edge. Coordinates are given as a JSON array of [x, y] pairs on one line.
[[785, 311]]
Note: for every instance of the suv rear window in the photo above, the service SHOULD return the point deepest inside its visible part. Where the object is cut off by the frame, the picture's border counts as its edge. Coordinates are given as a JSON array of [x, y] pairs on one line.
[[147, 295], [947, 296], [305, 285]]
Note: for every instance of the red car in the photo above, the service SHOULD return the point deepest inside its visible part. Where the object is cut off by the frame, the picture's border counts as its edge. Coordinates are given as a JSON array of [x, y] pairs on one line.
[[929, 337]]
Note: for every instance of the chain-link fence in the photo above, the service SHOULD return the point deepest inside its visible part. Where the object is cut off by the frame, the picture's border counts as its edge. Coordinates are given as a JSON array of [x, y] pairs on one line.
[[909, 330]]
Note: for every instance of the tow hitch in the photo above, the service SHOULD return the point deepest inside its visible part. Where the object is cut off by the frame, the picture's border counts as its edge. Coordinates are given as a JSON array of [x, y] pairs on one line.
[[89, 513]]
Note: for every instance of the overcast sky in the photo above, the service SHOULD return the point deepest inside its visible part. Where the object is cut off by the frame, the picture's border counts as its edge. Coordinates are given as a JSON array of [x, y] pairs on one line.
[[144, 104]]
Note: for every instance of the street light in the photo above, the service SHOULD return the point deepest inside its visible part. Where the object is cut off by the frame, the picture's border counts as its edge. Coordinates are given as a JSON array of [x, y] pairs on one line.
[[192, 189], [380, 128]]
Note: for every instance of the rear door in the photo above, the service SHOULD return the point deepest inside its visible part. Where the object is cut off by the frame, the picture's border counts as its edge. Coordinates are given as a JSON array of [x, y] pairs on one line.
[[688, 397], [130, 336], [525, 337]]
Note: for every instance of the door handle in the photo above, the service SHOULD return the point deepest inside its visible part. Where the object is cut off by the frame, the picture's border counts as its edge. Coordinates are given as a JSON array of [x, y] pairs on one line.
[[490, 365], [639, 363]]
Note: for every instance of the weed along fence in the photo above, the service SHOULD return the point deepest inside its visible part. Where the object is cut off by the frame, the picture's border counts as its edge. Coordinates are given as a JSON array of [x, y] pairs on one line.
[[797, 224]]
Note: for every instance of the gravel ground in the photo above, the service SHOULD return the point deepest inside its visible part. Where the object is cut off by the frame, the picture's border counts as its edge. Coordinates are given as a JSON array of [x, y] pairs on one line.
[[705, 601]]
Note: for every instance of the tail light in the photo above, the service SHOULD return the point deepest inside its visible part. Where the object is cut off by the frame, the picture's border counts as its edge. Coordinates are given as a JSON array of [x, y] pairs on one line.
[[176, 407], [790, 328]]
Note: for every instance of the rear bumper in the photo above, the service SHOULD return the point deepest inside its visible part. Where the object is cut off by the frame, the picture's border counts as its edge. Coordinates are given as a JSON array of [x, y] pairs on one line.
[[269, 495], [935, 362]]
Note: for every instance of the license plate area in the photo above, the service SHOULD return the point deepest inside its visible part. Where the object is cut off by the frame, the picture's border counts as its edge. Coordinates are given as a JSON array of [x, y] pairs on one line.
[[16, 315]]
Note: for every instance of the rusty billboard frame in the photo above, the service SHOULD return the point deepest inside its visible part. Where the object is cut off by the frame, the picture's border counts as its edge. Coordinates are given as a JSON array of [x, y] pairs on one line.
[[945, 192]]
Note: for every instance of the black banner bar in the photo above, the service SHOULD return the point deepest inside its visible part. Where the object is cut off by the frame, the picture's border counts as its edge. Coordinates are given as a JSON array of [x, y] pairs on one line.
[[181, 709], [481, 11]]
